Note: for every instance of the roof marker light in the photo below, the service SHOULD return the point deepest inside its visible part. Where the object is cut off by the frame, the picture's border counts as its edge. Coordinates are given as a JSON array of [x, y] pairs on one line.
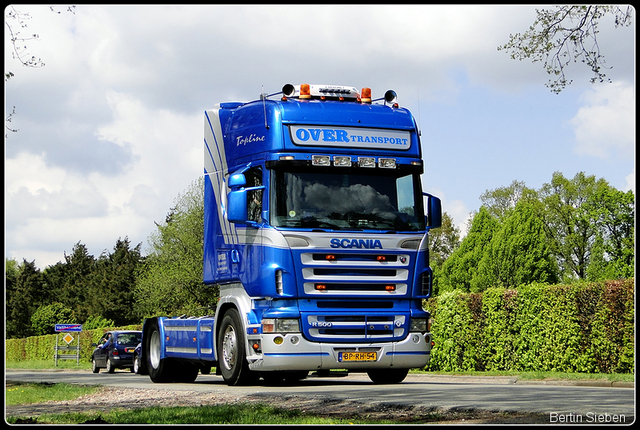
[[305, 91], [366, 95]]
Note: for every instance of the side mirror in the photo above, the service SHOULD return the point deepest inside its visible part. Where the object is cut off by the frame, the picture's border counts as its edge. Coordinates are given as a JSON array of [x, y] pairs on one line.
[[237, 198], [434, 211], [237, 206]]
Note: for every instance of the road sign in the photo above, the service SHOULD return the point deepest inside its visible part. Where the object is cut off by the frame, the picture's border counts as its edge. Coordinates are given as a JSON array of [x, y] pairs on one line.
[[68, 327], [67, 338]]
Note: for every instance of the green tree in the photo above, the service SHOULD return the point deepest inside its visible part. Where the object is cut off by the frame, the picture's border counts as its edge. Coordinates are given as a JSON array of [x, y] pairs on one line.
[[11, 271], [45, 318], [571, 216], [72, 280], [443, 242], [28, 295], [460, 270], [613, 252], [501, 201], [170, 281], [112, 284], [563, 35], [518, 253], [94, 322]]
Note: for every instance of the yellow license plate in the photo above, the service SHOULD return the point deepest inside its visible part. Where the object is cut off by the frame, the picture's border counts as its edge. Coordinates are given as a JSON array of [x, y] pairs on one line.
[[357, 356]]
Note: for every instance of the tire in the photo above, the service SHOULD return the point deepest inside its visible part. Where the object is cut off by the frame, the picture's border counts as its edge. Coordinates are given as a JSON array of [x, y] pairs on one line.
[[284, 377], [94, 365], [296, 376], [388, 376], [160, 369], [110, 367], [232, 357], [136, 365], [186, 373]]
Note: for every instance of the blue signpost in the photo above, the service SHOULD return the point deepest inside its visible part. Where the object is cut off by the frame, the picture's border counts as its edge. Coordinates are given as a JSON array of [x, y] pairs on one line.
[[68, 327]]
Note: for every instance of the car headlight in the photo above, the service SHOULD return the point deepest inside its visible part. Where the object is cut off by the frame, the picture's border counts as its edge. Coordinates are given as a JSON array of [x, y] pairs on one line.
[[280, 325]]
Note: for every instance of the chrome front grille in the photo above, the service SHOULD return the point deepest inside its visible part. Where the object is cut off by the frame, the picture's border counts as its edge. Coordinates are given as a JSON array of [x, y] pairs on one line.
[[350, 328]]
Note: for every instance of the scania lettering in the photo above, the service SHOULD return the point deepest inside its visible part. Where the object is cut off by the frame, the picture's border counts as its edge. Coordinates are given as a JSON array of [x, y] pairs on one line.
[[316, 233], [356, 243]]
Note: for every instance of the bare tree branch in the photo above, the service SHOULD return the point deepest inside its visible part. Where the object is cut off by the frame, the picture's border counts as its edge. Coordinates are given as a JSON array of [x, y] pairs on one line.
[[564, 35]]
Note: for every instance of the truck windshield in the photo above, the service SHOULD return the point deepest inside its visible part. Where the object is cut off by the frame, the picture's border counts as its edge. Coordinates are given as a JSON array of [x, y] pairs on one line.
[[347, 200]]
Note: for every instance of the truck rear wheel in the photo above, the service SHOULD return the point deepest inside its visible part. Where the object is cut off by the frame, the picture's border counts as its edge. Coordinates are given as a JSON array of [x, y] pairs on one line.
[[160, 369], [232, 357], [388, 376]]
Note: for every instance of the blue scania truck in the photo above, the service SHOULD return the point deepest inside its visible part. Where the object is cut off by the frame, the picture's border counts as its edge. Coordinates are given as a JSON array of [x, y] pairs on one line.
[[316, 232]]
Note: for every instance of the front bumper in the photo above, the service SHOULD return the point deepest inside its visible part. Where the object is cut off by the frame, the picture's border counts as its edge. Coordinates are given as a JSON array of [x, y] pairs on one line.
[[120, 361], [297, 353]]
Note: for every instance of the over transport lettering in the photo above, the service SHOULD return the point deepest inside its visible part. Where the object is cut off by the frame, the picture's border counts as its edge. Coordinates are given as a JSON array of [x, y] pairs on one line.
[[337, 135]]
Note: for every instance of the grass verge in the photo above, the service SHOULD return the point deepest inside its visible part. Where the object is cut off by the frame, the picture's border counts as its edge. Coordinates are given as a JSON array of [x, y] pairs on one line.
[[18, 393], [206, 414]]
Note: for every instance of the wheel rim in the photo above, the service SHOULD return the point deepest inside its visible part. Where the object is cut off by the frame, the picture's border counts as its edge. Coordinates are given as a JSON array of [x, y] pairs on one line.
[[229, 348], [154, 350]]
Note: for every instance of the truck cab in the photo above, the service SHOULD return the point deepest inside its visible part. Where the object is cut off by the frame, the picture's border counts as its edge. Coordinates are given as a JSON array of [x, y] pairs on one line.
[[316, 231]]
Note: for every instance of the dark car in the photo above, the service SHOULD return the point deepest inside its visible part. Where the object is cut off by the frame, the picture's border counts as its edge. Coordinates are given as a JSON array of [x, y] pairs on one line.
[[115, 350]]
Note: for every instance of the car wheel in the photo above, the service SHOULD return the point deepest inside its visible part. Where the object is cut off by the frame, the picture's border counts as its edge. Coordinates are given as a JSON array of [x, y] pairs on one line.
[[136, 364], [94, 365], [110, 367]]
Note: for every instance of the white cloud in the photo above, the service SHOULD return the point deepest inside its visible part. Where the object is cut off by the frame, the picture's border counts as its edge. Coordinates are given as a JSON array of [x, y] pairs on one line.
[[631, 181], [111, 127], [605, 125]]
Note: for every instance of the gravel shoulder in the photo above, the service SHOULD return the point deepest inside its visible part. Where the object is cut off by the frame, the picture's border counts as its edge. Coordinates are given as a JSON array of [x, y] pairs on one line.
[[109, 398]]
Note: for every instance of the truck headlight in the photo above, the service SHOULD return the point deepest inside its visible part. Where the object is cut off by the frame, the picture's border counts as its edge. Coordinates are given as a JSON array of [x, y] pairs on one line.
[[419, 325], [280, 325]]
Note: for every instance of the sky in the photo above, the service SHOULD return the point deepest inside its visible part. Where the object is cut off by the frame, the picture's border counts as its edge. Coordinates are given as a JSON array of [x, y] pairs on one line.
[[110, 129]]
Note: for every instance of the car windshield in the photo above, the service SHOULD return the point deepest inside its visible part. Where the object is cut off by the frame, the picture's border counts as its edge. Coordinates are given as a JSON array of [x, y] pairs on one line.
[[347, 200], [129, 338]]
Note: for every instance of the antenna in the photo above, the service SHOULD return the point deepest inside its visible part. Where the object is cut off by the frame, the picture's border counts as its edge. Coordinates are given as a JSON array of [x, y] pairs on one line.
[[419, 114], [264, 107]]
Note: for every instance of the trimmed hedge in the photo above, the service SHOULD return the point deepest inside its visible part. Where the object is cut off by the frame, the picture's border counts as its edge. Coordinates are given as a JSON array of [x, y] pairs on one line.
[[42, 347], [564, 328]]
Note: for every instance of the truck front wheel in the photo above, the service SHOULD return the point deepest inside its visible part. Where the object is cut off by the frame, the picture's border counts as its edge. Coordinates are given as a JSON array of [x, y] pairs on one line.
[[388, 376], [232, 357]]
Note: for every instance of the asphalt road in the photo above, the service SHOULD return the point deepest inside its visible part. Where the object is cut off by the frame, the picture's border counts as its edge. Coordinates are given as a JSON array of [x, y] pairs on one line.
[[562, 401]]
